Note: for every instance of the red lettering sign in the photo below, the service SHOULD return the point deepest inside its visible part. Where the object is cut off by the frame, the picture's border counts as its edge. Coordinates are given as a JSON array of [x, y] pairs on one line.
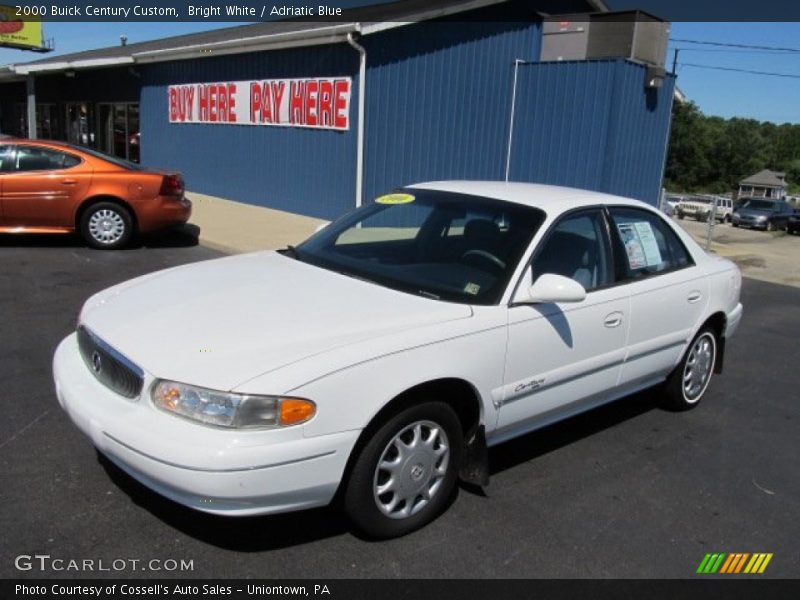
[[322, 103]]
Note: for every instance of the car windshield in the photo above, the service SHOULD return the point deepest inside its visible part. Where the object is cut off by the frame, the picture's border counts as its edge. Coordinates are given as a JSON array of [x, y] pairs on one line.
[[700, 200], [120, 162], [759, 204], [435, 244]]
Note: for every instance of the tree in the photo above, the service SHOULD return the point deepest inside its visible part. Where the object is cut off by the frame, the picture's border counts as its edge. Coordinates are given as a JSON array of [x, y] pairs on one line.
[[712, 154]]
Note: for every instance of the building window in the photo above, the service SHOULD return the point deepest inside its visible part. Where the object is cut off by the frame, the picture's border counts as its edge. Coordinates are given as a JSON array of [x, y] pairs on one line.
[[48, 121]]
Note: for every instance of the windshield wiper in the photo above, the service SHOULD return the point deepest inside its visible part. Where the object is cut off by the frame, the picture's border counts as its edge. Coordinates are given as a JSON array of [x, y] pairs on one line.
[[428, 295]]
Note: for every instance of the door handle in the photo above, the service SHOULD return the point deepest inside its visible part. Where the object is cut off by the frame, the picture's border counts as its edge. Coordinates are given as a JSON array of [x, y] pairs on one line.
[[69, 181], [613, 320], [694, 297]]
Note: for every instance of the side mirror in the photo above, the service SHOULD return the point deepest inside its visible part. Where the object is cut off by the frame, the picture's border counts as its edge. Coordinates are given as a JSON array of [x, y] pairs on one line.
[[550, 288]]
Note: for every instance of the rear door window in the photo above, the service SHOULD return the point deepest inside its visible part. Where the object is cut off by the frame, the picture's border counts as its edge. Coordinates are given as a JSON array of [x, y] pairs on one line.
[[32, 158], [649, 246]]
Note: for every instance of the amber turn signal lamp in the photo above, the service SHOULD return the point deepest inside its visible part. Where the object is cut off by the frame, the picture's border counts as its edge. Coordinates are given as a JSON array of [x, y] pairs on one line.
[[296, 410]]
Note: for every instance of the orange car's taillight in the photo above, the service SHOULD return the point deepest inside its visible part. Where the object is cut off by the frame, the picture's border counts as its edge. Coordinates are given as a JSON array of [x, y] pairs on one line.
[[171, 185]]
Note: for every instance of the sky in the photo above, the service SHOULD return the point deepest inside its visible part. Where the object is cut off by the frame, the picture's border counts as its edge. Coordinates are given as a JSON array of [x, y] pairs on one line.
[[734, 94], [716, 92]]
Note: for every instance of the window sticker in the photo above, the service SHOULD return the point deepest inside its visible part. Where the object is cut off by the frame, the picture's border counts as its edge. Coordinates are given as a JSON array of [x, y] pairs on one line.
[[472, 289], [651, 251], [395, 199], [640, 244]]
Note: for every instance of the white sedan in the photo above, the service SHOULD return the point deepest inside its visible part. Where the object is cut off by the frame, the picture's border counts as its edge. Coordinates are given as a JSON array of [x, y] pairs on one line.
[[375, 362]]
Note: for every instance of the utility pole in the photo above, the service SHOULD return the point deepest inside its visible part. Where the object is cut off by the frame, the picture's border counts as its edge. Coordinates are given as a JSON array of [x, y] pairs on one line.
[[675, 60]]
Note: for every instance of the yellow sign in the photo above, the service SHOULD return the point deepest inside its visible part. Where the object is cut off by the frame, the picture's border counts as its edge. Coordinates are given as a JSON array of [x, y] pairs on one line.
[[395, 199], [17, 31]]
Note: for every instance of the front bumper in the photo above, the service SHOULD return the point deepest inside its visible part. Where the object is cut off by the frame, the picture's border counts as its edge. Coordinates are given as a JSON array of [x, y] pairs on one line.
[[751, 223], [208, 469], [695, 213]]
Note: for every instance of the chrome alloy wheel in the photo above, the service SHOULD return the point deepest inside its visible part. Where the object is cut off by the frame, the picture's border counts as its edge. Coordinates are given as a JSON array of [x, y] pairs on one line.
[[411, 469], [106, 226], [699, 365]]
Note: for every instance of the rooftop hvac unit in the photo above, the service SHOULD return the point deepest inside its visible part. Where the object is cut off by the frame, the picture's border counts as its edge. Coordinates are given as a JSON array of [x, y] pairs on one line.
[[564, 38], [635, 35]]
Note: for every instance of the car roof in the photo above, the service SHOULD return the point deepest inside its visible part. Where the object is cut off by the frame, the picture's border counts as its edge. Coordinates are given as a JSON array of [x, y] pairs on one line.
[[546, 197], [57, 143]]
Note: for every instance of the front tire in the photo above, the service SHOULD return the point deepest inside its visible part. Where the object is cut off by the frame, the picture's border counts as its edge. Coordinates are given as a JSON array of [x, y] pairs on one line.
[[106, 226], [406, 473], [687, 384]]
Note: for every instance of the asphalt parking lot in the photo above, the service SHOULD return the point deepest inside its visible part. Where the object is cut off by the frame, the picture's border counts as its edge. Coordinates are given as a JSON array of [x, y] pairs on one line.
[[628, 490]]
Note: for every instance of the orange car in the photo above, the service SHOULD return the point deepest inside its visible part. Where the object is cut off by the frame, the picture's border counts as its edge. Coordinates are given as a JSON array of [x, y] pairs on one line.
[[55, 187]]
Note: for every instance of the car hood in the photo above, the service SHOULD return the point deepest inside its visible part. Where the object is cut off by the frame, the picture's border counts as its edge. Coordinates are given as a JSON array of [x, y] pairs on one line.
[[222, 322]]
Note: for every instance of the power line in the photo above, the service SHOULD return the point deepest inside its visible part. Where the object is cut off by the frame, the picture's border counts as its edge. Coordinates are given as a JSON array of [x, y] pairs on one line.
[[732, 51], [718, 68], [730, 45]]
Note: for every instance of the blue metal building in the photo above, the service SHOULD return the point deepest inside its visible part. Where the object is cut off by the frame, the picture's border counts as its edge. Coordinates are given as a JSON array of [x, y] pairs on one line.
[[460, 96]]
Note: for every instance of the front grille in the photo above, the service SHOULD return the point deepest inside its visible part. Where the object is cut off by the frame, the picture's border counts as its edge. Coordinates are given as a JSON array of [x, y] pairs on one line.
[[110, 367]]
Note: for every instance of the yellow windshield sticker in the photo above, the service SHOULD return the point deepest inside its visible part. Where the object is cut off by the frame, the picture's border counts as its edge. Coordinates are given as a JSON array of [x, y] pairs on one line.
[[395, 199], [472, 288]]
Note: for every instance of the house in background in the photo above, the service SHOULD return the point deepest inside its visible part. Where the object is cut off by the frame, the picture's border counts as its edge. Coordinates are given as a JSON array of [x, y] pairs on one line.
[[764, 184]]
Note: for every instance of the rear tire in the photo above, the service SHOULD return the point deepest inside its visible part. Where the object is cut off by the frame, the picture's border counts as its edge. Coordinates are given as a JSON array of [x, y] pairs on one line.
[[689, 381], [106, 226], [406, 473]]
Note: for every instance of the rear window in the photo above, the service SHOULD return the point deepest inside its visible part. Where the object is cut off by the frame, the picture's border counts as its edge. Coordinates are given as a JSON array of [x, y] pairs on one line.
[[115, 160]]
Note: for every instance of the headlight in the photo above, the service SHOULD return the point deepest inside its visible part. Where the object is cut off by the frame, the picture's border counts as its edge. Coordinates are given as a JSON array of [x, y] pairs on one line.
[[228, 409]]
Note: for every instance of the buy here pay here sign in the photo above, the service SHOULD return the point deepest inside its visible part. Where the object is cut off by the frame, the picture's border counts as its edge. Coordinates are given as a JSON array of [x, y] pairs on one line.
[[322, 102]]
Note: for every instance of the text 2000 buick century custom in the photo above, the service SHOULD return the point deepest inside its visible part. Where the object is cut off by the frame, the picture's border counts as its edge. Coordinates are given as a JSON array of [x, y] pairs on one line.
[[382, 355]]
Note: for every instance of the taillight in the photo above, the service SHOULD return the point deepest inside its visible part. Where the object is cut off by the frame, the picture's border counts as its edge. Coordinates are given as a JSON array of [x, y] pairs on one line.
[[172, 185]]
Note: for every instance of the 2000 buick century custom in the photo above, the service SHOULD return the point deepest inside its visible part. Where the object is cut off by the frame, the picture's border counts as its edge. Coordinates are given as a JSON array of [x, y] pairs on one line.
[[380, 357]]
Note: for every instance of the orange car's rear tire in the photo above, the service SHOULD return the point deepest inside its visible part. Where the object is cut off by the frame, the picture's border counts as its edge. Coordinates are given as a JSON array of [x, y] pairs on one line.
[[106, 226]]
